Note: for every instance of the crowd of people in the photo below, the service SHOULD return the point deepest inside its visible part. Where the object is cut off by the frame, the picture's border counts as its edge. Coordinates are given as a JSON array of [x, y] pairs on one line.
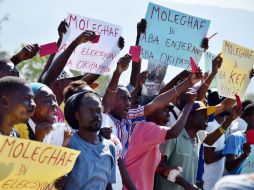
[[186, 137]]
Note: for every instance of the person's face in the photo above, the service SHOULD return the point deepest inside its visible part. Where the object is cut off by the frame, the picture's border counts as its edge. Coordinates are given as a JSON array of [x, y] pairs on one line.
[[9, 70], [122, 103], [161, 116], [46, 106], [89, 114], [21, 105], [199, 119], [106, 132]]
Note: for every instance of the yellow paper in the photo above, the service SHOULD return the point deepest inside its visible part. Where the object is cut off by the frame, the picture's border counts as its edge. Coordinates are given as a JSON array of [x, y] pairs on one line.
[[33, 165], [233, 76]]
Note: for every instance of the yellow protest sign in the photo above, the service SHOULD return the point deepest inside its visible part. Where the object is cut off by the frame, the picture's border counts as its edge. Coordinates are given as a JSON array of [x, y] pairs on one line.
[[33, 165], [233, 76]]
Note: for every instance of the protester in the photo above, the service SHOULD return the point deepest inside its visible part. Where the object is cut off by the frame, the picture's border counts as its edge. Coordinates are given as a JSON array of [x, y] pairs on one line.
[[95, 166], [236, 148], [14, 109], [143, 153]]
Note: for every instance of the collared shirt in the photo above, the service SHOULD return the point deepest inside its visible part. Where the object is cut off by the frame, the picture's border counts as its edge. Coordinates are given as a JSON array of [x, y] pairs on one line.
[[125, 127], [184, 152]]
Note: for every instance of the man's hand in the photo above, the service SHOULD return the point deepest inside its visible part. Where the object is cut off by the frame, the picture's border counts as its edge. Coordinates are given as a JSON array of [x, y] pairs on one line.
[[217, 61], [123, 63], [205, 44], [142, 78], [196, 77], [141, 26], [246, 149], [85, 36], [27, 52], [235, 113], [41, 130], [121, 42], [62, 28]]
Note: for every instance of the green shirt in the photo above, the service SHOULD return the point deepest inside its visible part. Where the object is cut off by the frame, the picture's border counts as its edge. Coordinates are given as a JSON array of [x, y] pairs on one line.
[[184, 152]]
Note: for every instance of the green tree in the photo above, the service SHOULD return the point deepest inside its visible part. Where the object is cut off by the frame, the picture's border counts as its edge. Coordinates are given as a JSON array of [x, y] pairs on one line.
[[103, 80], [31, 69]]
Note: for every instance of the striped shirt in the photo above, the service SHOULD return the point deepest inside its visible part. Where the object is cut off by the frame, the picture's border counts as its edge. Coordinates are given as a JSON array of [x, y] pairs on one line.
[[125, 127]]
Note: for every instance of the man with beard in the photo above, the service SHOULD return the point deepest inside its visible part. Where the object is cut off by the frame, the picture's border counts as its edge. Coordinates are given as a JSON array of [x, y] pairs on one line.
[[95, 166]]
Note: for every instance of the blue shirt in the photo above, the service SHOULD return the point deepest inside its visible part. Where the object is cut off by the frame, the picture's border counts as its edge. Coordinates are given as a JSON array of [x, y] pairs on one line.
[[95, 166], [234, 145]]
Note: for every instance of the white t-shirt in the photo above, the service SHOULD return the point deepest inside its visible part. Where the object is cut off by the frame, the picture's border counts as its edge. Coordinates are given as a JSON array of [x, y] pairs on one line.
[[237, 125], [213, 172]]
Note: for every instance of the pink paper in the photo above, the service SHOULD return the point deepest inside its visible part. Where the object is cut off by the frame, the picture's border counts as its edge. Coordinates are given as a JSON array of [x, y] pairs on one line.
[[194, 66], [47, 49], [96, 40], [135, 53]]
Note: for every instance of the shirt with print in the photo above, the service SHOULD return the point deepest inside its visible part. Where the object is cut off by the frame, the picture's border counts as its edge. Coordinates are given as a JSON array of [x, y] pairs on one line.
[[95, 167], [125, 127]]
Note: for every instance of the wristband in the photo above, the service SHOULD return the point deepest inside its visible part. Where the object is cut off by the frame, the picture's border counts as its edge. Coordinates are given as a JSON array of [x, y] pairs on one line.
[[222, 130]]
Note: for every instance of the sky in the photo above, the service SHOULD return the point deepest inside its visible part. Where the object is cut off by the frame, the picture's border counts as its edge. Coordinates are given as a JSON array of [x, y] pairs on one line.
[[36, 21]]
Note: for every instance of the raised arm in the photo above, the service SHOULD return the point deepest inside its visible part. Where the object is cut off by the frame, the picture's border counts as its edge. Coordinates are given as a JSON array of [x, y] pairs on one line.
[[59, 63], [136, 66], [110, 94], [165, 98], [190, 97], [214, 136], [234, 161], [62, 28], [27, 52], [181, 76], [206, 83]]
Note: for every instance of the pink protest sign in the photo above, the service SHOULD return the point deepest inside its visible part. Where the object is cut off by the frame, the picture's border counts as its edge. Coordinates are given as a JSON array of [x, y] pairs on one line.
[[194, 66], [135, 53], [96, 39], [47, 49]]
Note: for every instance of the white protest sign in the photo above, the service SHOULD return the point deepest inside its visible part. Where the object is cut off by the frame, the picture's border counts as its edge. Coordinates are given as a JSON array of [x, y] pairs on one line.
[[91, 57]]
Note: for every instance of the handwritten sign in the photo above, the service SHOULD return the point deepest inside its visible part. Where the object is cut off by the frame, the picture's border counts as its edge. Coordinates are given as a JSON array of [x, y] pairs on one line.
[[172, 37], [208, 67], [233, 76], [249, 163], [92, 57], [156, 74], [33, 165]]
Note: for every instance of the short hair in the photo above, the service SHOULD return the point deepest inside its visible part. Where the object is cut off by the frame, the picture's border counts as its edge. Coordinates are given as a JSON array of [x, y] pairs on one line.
[[74, 88], [249, 110], [245, 103], [10, 84]]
